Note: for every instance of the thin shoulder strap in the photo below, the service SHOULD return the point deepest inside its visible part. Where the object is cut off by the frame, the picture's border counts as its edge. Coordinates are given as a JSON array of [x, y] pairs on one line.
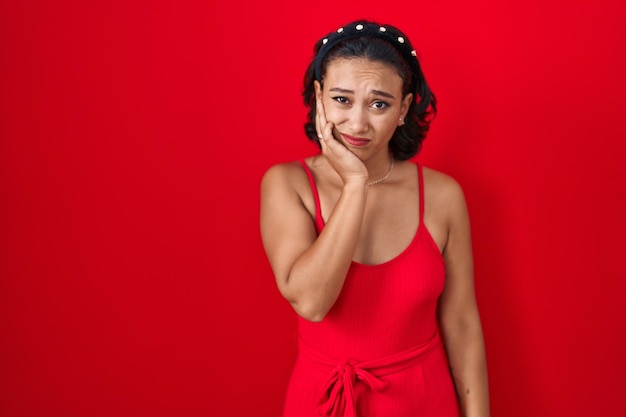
[[319, 220], [420, 176]]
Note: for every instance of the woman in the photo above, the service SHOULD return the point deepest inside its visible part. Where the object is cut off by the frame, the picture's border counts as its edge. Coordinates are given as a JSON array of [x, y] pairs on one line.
[[372, 251]]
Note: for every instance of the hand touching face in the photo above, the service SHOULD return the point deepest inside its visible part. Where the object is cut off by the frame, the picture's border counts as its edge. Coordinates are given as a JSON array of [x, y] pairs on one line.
[[363, 101]]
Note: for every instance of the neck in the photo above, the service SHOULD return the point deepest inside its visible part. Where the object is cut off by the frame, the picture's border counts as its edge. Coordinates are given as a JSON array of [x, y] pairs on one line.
[[379, 167]]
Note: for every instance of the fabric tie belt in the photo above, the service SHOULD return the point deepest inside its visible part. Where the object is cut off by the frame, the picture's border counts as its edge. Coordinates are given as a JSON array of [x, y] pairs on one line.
[[337, 397]]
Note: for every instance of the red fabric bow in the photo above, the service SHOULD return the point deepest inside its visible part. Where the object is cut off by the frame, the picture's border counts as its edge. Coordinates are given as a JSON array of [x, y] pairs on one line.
[[338, 397]]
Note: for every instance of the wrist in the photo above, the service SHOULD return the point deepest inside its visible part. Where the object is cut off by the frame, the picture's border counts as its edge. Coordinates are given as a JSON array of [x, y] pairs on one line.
[[355, 184]]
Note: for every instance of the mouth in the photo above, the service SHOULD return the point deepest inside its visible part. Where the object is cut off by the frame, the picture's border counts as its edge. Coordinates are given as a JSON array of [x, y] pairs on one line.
[[354, 141]]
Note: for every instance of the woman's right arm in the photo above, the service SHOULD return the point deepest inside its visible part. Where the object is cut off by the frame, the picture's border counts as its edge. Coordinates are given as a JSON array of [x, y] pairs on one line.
[[310, 270]]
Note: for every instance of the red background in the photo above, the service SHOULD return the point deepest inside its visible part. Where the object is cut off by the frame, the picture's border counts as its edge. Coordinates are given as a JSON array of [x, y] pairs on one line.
[[133, 139]]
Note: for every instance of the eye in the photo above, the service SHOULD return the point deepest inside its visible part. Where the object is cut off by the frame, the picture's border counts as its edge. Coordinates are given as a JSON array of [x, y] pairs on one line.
[[341, 99], [380, 105]]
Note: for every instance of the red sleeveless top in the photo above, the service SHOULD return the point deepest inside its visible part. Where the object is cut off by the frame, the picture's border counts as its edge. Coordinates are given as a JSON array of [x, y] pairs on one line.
[[377, 352]]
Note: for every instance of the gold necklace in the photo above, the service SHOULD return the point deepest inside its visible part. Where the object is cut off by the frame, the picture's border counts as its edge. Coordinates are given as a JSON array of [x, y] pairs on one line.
[[369, 184]]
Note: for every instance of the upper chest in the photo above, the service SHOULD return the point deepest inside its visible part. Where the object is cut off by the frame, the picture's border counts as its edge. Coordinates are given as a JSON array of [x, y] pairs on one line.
[[391, 217]]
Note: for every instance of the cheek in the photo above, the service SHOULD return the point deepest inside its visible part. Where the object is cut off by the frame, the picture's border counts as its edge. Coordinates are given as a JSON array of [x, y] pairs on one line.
[[333, 114], [387, 124]]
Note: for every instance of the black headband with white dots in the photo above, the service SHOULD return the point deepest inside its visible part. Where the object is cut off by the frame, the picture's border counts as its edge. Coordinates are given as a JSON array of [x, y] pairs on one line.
[[368, 30]]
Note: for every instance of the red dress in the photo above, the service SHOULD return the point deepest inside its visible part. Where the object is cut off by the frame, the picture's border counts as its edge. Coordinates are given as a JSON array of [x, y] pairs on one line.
[[377, 352]]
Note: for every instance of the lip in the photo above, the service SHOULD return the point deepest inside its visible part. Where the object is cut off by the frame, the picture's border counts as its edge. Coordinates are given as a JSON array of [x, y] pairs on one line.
[[354, 141]]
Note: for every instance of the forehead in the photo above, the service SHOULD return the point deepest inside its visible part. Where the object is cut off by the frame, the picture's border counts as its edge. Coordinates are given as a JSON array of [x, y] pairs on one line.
[[361, 72]]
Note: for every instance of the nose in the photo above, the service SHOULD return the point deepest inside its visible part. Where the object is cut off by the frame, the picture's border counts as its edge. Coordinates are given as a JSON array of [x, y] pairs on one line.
[[358, 121]]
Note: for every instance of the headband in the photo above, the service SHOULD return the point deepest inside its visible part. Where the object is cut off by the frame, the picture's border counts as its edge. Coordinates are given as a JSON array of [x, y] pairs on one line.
[[368, 30]]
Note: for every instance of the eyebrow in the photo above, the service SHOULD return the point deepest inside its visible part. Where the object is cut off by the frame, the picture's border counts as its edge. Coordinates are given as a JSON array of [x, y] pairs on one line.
[[375, 92]]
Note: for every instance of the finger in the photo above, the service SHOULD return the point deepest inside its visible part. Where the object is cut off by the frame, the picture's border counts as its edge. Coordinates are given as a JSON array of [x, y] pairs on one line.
[[323, 145], [318, 128], [322, 113], [327, 131], [320, 119], [328, 139]]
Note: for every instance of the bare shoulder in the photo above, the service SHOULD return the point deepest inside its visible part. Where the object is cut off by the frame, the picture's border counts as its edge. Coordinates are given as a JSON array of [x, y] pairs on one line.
[[287, 216], [446, 210], [442, 188], [286, 176], [283, 173], [287, 183]]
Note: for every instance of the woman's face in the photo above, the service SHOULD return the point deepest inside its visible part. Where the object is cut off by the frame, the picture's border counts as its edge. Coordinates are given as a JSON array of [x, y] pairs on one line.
[[364, 100]]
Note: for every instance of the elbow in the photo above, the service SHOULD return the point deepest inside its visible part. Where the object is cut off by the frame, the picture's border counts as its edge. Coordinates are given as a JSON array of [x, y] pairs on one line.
[[310, 303], [308, 306], [314, 318], [310, 312]]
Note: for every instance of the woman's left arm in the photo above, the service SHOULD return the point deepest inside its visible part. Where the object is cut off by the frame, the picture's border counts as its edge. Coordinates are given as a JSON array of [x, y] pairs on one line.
[[458, 313]]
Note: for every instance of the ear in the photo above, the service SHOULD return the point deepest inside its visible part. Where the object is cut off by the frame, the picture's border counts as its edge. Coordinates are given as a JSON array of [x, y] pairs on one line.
[[406, 103], [318, 89]]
